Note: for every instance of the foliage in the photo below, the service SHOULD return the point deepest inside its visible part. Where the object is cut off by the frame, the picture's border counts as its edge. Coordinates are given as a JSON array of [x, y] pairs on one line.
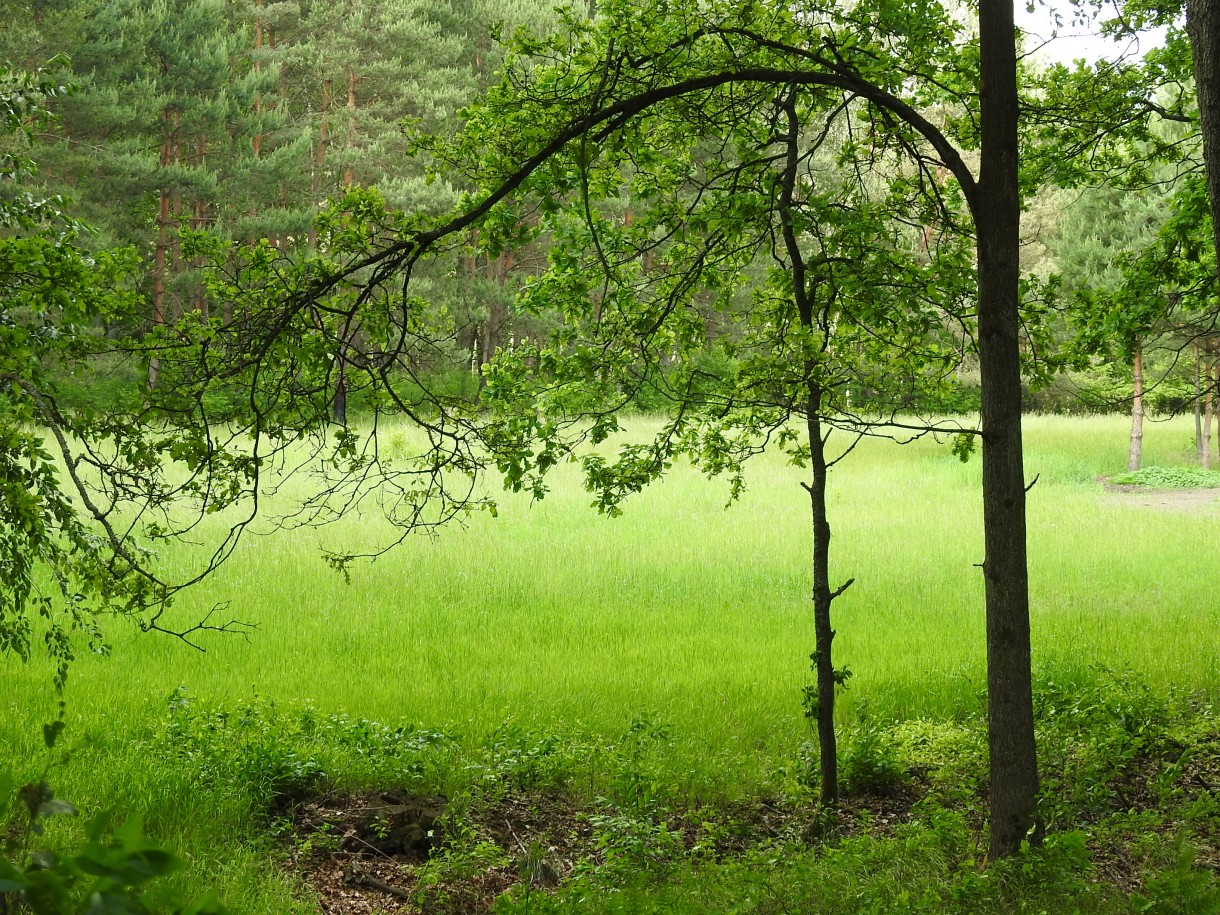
[[1169, 478], [59, 567]]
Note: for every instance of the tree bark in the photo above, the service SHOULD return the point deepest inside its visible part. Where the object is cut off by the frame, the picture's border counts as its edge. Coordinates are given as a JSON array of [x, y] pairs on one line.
[[161, 248], [823, 597], [1203, 28], [349, 174], [1200, 384], [257, 142], [1135, 454], [319, 154], [199, 301], [1211, 375], [1013, 752]]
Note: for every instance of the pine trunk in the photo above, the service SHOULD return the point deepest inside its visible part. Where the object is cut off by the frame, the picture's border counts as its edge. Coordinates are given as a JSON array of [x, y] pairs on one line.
[[199, 301], [1200, 385], [1211, 366], [257, 142], [1136, 453], [1013, 751], [348, 170], [161, 248], [319, 154]]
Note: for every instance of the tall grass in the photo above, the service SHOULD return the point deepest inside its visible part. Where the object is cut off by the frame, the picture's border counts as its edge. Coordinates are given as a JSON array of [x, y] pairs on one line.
[[682, 608]]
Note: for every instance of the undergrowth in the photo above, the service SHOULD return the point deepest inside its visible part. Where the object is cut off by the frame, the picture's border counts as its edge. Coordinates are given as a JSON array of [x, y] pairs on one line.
[[1170, 478], [559, 821]]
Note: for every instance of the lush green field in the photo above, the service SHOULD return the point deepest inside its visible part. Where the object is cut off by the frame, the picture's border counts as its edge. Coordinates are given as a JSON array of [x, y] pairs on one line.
[[690, 612]]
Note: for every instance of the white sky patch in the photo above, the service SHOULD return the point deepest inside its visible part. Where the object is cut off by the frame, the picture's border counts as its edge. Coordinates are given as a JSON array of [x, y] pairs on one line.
[[1077, 34]]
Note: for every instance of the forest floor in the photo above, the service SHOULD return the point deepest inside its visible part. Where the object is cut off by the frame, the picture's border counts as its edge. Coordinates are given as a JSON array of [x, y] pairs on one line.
[[1131, 829], [536, 841]]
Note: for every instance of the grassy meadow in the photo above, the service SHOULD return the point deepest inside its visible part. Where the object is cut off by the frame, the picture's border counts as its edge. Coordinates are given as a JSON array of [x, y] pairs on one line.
[[558, 620]]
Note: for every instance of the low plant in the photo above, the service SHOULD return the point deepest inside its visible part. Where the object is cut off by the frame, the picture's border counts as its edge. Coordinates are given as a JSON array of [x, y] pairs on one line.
[[110, 874], [1170, 478]]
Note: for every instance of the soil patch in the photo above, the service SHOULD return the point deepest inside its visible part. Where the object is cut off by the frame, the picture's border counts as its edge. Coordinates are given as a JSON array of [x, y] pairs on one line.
[[345, 846], [1191, 500]]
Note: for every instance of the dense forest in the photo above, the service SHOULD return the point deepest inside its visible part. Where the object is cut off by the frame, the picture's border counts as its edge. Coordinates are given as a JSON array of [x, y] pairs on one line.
[[275, 266], [243, 121]]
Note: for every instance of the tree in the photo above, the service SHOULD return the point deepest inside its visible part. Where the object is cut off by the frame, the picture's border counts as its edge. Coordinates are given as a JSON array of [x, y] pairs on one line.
[[538, 136], [751, 281], [543, 125], [1103, 229]]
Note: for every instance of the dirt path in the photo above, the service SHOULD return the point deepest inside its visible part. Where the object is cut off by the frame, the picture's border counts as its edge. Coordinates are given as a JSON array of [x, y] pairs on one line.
[[1172, 500]]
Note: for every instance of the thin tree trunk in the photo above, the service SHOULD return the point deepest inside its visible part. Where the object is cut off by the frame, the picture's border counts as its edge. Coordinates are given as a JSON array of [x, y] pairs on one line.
[[319, 154], [1136, 453], [1200, 384], [1013, 751], [161, 249], [497, 314], [257, 142], [199, 301], [348, 169], [1211, 366], [823, 597]]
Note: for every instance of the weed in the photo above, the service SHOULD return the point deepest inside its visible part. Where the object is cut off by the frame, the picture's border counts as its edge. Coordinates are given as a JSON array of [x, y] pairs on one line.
[[1170, 478]]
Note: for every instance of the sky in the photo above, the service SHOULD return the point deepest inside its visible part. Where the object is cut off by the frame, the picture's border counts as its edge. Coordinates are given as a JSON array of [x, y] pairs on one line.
[[1075, 40]]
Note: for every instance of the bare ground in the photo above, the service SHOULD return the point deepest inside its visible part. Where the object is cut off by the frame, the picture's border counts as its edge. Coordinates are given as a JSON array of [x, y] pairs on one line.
[[1191, 501]]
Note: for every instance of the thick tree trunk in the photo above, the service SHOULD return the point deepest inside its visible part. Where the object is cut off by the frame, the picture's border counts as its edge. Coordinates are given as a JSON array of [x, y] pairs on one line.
[[1135, 454], [1014, 771], [1203, 27]]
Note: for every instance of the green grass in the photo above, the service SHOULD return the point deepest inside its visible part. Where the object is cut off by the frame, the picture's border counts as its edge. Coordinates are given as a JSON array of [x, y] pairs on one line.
[[697, 615]]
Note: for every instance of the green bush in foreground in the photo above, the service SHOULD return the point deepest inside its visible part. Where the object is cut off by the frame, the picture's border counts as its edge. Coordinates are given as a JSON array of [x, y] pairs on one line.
[[108, 875]]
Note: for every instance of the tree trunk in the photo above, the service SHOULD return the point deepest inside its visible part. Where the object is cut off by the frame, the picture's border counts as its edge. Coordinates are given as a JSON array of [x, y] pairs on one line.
[[1211, 367], [1013, 752], [823, 597], [1203, 27], [257, 142], [319, 154], [1136, 453], [161, 249], [199, 301], [338, 403], [348, 168], [1200, 385]]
